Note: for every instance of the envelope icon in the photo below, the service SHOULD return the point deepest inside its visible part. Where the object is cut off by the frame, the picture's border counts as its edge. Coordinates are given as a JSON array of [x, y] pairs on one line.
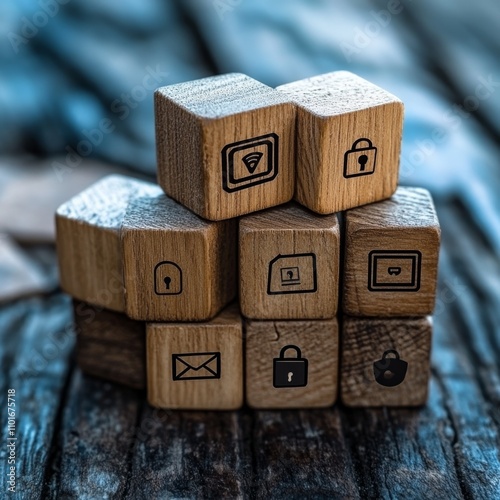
[[196, 366]]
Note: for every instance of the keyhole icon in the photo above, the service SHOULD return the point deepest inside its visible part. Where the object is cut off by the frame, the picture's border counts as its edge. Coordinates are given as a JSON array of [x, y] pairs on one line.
[[167, 280], [362, 162], [289, 274], [290, 375]]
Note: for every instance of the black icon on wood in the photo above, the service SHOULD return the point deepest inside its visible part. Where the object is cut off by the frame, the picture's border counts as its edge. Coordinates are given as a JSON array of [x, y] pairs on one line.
[[390, 372], [360, 160], [290, 372], [196, 366], [294, 273], [290, 276], [168, 278], [394, 270], [252, 160], [242, 168]]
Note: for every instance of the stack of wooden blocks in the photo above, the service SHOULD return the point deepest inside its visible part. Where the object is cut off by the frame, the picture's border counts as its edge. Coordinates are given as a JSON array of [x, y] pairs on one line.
[[155, 271]]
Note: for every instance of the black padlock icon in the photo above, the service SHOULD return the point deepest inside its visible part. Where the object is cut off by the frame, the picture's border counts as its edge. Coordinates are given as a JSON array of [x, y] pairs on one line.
[[290, 372], [390, 372], [360, 159]]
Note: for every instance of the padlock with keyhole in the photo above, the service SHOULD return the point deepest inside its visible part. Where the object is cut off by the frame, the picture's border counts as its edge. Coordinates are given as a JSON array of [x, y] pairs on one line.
[[389, 371], [290, 372], [360, 159], [167, 278]]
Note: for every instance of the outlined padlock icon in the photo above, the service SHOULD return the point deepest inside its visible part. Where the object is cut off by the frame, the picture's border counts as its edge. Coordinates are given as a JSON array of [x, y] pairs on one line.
[[167, 278], [360, 159], [390, 372], [290, 372]]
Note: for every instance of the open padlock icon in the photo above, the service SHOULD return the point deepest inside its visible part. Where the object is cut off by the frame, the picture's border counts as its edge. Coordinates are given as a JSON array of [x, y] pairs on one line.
[[360, 159], [390, 372]]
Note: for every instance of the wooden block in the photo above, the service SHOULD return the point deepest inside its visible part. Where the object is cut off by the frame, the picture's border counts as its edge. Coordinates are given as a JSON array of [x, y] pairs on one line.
[[88, 240], [225, 145], [385, 362], [278, 377], [110, 346], [177, 266], [196, 365], [289, 264], [391, 256], [348, 141]]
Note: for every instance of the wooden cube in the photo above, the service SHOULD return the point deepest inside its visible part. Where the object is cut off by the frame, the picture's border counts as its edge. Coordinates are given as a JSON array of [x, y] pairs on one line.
[[109, 345], [88, 240], [289, 264], [348, 141], [225, 145], [196, 365], [385, 362], [177, 266], [291, 364], [391, 256]]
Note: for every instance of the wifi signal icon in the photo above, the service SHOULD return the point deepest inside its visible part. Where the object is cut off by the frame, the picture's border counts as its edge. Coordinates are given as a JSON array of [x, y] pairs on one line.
[[252, 160]]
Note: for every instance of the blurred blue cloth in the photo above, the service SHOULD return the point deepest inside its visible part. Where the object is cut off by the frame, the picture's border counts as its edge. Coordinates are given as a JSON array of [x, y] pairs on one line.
[[79, 75]]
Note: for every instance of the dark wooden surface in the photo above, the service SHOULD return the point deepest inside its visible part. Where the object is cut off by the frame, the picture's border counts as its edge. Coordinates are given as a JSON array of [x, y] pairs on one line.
[[80, 437]]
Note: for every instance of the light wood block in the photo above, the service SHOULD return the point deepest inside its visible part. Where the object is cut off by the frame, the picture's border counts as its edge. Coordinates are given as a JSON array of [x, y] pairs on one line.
[[196, 365], [391, 256], [373, 376], [110, 346], [225, 145], [335, 111], [276, 381], [177, 266], [88, 240], [289, 264]]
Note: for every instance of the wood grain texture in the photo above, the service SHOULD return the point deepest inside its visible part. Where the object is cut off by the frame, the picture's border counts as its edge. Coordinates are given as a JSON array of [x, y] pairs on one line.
[[36, 342], [169, 386], [162, 240], [111, 346], [313, 440], [319, 344], [88, 240], [335, 110], [96, 435], [365, 342], [191, 454], [289, 240], [195, 121], [399, 235]]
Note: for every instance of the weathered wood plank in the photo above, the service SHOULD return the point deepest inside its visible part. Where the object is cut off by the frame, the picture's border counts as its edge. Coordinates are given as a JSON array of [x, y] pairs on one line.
[[95, 440], [403, 453], [302, 454], [36, 347]]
